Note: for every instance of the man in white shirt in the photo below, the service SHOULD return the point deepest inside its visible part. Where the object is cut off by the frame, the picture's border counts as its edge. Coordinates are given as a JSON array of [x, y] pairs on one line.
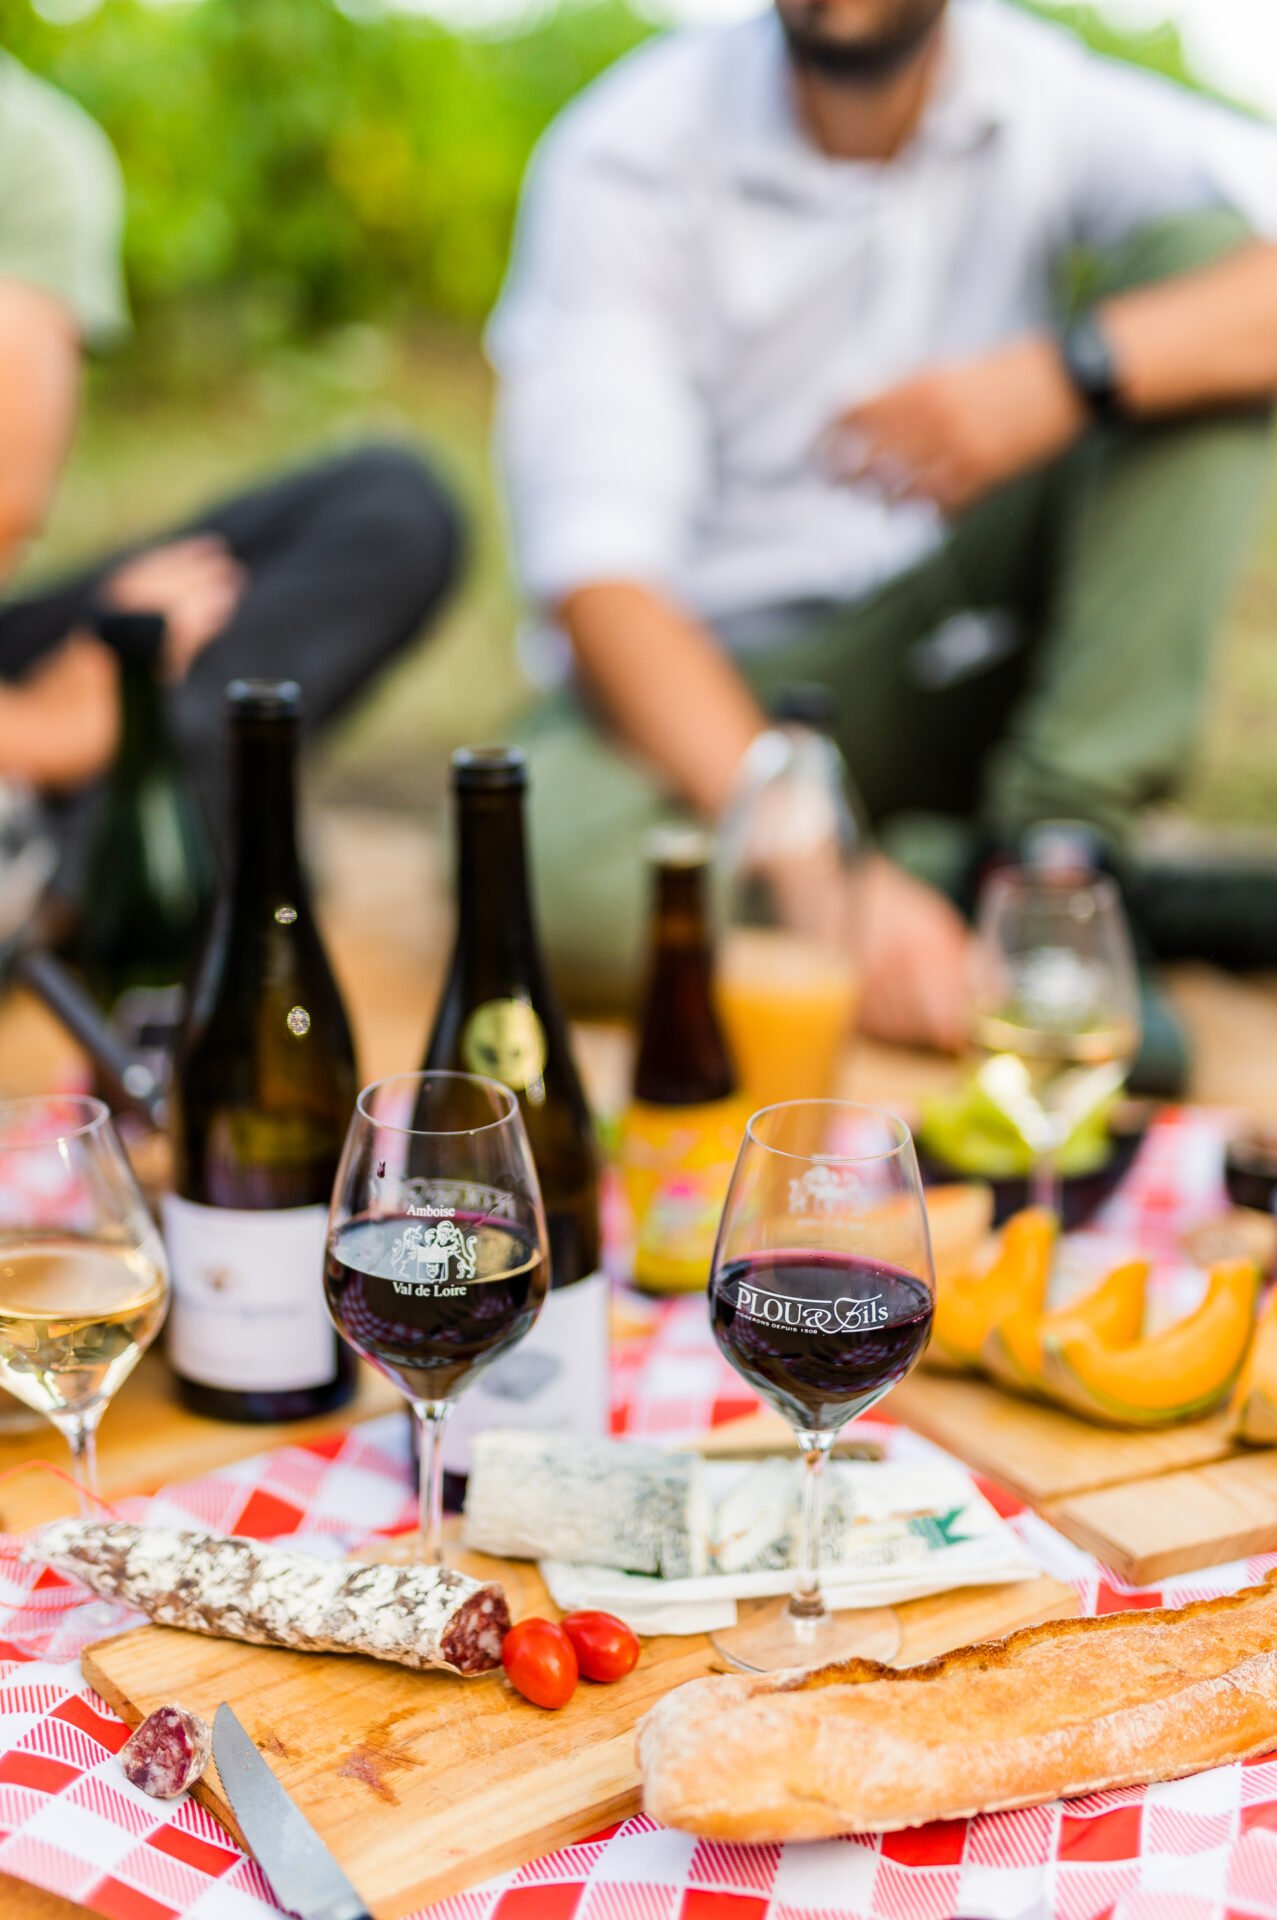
[[786, 393]]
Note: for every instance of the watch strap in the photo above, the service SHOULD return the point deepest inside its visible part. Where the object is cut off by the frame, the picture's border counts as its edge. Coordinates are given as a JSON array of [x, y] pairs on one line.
[[1091, 364]]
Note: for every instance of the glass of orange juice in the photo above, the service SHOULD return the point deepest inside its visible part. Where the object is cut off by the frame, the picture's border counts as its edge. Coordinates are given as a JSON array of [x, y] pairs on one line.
[[790, 873]]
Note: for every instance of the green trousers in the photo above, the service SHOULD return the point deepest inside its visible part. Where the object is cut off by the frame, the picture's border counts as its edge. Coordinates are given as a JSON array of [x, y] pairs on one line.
[[1052, 659]]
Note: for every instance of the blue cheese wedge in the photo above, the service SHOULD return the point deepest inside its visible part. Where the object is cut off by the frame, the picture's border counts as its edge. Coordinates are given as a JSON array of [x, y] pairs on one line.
[[608, 1503]]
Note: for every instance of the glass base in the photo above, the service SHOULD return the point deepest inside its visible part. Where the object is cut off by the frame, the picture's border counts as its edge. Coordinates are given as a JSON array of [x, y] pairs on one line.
[[768, 1637]]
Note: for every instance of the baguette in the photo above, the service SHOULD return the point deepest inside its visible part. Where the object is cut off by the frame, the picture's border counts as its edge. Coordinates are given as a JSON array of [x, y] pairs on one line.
[[1054, 1711]]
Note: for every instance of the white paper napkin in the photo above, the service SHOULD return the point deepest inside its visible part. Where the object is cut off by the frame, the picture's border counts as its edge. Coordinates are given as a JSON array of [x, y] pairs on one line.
[[899, 1531]]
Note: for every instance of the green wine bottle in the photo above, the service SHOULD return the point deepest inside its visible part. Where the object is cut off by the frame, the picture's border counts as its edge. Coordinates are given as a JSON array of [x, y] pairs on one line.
[[262, 1093], [498, 1015], [140, 933]]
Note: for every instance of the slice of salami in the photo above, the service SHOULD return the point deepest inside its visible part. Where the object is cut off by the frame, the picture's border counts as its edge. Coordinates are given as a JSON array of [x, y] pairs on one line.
[[168, 1753], [421, 1617]]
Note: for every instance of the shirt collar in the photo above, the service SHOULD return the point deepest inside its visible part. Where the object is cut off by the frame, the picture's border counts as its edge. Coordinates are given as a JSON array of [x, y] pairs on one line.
[[769, 151]]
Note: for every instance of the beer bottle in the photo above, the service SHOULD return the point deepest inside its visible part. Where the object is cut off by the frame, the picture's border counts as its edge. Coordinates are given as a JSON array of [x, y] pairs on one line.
[[499, 1016], [263, 1091], [683, 1127]]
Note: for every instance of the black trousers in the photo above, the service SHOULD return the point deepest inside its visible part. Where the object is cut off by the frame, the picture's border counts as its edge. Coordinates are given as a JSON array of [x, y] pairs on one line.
[[346, 559]]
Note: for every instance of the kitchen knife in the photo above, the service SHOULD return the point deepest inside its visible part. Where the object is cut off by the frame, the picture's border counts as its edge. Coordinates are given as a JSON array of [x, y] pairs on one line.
[[303, 1874]]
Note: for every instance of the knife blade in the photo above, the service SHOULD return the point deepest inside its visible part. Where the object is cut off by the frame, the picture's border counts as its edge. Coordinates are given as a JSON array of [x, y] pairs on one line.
[[303, 1874]]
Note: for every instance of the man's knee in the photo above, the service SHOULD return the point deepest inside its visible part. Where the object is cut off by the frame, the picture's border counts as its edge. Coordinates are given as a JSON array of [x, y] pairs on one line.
[[418, 526], [1172, 246]]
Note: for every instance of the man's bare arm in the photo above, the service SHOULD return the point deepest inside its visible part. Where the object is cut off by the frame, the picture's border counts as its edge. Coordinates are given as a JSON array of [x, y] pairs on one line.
[[953, 433], [1204, 339], [665, 686], [39, 399], [672, 695]]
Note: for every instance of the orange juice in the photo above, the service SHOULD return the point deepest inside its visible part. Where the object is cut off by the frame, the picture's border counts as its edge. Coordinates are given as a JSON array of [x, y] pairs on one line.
[[789, 1004]]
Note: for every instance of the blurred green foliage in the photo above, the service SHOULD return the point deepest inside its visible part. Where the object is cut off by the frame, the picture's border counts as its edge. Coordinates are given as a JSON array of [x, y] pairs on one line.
[[296, 165], [293, 165]]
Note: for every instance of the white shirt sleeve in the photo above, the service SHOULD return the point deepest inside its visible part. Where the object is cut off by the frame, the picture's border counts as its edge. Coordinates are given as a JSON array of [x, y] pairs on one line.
[[1146, 150], [602, 436]]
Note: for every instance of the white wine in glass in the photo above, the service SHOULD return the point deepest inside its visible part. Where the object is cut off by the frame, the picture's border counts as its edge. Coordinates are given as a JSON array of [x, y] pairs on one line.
[[1055, 1022], [83, 1280]]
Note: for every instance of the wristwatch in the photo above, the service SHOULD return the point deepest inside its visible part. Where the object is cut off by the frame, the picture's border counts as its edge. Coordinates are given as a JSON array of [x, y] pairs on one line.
[[1091, 365]]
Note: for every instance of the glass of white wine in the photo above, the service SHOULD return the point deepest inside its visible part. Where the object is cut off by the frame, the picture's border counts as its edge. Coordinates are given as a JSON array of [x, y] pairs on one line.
[[83, 1278], [1055, 1014]]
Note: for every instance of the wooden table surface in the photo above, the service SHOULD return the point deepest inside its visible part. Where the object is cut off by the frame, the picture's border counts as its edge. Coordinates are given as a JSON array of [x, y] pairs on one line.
[[387, 929]]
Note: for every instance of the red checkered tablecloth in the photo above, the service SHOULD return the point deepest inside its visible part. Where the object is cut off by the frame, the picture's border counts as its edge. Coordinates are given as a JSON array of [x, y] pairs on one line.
[[1201, 1849]]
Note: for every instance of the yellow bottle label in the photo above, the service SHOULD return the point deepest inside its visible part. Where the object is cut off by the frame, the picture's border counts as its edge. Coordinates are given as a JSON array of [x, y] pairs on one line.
[[676, 1164], [505, 1040]]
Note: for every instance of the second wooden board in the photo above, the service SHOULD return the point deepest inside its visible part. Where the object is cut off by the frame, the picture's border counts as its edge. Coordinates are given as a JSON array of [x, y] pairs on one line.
[[1147, 1505]]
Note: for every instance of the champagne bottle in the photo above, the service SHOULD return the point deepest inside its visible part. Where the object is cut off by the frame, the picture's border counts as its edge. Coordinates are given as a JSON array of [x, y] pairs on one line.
[[683, 1126], [139, 936], [499, 1016], [263, 1090]]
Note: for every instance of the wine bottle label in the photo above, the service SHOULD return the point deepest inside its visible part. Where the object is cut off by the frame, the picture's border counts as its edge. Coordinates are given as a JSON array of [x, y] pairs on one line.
[[555, 1380], [505, 1040], [248, 1311], [676, 1165]]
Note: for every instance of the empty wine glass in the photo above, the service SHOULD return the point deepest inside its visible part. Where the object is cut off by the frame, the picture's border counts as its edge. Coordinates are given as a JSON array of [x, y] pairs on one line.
[[83, 1278], [821, 1297], [1055, 1006], [437, 1252]]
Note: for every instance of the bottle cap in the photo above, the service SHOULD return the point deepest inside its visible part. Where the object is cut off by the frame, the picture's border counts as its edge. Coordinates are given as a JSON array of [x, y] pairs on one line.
[[264, 699], [135, 638], [678, 846], [489, 769], [805, 703]]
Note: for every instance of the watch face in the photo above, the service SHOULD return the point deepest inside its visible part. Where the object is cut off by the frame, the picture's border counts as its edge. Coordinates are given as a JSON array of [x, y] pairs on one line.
[[1090, 362]]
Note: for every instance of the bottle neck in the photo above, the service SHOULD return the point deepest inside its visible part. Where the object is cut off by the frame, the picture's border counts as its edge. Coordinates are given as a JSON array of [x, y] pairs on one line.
[[683, 1057], [144, 734], [494, 902], [264, 763]]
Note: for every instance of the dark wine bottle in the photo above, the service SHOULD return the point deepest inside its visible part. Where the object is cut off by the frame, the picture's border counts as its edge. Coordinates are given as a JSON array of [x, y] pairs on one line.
[[263, 1090], [139, 936], [682, 1128], [498, 1015]]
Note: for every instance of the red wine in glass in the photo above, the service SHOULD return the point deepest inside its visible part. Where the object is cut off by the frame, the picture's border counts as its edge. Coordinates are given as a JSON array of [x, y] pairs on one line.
[[821, 1336], [431, 1303]]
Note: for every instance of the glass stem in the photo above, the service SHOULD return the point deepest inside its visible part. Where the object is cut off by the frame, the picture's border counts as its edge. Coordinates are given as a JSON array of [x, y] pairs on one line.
[[806, 1602], [431, 1417], [81, 1431], [1045, 1185]]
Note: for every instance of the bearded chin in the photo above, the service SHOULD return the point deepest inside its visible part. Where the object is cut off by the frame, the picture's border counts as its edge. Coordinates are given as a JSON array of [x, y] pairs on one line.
[[863, 63]]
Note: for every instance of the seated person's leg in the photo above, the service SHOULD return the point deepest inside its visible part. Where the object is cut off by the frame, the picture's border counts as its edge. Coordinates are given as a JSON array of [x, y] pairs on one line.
[[343, 563], [590, 810], [1151, 529]]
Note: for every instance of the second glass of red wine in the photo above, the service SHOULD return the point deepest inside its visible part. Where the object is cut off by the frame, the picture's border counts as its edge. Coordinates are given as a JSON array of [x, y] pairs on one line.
[[437, 1253], [821, 1297]]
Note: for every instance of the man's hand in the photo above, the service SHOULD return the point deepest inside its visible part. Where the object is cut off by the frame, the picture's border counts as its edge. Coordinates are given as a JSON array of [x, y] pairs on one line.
[[955, 433], [59, 726], [196, 584], [916, 962]]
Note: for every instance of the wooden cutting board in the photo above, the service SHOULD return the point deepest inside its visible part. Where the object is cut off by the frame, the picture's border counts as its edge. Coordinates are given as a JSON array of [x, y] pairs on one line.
[[423, 1784], [1148, 1505]]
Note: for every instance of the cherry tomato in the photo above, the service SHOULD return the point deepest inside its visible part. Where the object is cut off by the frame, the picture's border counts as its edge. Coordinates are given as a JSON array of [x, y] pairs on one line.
[[605, 1648], [540, 1663]]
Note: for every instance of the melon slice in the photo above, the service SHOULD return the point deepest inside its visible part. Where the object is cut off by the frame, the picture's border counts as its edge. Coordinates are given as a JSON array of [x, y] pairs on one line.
[[966, 1309], [1254, 1407], [1113, 1311], [1179, 1374]]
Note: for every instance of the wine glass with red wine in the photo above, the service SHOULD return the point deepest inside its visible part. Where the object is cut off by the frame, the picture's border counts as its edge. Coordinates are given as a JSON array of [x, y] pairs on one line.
[[437, 1256], [821, 1297]]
